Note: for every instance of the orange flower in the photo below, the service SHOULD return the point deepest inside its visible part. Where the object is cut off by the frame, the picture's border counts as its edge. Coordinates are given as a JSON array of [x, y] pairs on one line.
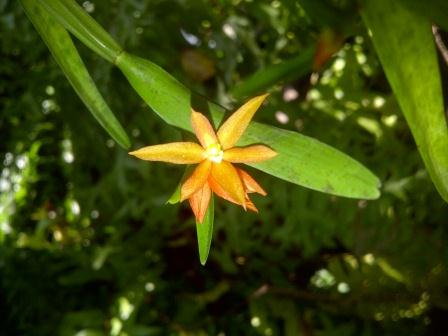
[[215, 155]]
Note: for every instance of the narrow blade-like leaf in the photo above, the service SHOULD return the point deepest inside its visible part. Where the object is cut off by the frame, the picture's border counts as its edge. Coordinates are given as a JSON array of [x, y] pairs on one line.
[[204, 232], [264, 79], [75, 19], [64, 51], [405, 45]]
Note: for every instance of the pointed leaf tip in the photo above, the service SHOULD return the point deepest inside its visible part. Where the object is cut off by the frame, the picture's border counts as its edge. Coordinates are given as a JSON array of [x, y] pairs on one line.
[[204, 232]]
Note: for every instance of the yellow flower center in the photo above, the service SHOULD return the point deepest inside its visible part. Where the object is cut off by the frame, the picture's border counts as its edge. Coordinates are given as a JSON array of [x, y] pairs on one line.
[[214, 153]]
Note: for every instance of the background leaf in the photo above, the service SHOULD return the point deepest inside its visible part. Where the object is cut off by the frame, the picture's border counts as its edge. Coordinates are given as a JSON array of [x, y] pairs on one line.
[[265, 78], [66, 55], [436, 11], [419, 93]]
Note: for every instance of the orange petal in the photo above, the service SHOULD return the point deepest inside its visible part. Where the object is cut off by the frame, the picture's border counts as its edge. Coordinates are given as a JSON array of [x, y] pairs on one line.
[[203, 129], [255, 153], [232, 129], [250, 205], [250, 185], [175, 152], [199, 202], [196, 180], [226, 176], [218, 190]]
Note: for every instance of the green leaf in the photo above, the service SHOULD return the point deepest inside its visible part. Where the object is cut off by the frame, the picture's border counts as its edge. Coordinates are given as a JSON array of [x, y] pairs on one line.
[[301, 160], [204, 232], [285, 71], [322, 13], [435, 10], [75, 19], [175, 197], [66, 55], [411, 67]]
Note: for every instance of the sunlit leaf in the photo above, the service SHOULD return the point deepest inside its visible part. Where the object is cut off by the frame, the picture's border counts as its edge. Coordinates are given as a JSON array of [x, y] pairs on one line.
[[412, 69], [66, 55], [75, 19]]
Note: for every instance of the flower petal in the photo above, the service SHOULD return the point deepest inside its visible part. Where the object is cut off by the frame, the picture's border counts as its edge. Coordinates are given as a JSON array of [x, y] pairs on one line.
[[250, 185], [236, 124], [226, 176], [199, 202], [203, 129], [250, 205], [255, 153], [175, 152], [218, 190], [196, 180]]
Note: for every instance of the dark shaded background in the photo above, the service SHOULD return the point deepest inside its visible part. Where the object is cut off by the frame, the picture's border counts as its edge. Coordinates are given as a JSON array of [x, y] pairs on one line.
[[88, 246]]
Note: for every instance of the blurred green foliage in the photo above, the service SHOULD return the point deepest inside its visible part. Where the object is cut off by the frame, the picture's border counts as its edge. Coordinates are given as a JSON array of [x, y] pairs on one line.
[[88, 246]]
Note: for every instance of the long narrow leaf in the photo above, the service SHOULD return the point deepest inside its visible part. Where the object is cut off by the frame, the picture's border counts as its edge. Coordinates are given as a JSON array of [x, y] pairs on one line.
[[405, 46], [265, 78], [75, 19], [301, 160], [204, 232], [66, 55]]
